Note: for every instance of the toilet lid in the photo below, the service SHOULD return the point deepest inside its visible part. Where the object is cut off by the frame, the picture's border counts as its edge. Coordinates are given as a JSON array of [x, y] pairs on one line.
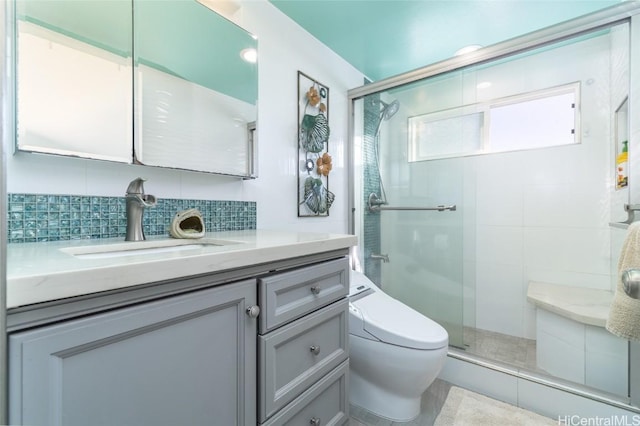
[[393, 322]]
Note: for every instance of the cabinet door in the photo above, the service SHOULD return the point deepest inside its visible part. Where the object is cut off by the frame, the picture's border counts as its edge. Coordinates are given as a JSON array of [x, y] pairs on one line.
[[189, 359], [74, 85]]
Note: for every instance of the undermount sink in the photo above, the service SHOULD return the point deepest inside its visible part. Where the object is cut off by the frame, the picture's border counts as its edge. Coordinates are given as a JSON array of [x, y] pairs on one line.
[[137, 248]]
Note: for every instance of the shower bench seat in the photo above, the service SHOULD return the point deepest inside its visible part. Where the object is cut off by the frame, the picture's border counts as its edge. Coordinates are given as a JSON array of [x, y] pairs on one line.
[[585, 305], [571, 341]]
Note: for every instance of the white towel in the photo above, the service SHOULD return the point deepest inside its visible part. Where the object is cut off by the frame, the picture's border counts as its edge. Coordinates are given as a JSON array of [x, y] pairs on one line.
[[624, 312]]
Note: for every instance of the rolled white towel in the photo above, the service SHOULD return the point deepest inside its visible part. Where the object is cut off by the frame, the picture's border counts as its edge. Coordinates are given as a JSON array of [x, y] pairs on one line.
[[624, 312]]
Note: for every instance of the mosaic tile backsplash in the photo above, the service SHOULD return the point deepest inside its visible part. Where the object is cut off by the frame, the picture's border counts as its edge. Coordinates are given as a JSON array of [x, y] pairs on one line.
[[35, 217]]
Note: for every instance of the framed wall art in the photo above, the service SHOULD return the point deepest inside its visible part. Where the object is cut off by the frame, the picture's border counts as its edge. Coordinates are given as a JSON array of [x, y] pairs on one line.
[[314, 197]]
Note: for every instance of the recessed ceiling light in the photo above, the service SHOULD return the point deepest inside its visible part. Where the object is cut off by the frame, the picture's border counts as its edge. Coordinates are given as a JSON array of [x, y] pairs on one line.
[[250, 55], [467, 49]]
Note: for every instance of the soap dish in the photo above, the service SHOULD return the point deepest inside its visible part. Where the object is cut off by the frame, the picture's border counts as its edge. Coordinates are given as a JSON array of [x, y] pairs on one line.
[[187, 224]]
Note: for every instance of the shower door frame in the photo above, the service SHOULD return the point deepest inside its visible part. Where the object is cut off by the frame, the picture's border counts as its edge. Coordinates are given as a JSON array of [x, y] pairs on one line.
[[627, 12]]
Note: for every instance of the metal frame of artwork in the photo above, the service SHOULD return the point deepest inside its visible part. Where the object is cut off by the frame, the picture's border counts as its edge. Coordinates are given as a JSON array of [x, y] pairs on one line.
[[314, 197]]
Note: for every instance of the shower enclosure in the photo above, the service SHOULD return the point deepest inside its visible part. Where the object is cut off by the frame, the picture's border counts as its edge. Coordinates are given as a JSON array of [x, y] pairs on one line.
[[480, 180]]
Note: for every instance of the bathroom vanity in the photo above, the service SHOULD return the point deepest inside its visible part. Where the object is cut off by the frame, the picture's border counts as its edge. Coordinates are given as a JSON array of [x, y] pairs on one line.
[[250, 331]]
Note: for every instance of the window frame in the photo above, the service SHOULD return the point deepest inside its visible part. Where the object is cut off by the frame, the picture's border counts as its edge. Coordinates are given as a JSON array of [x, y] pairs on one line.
[[485, 108]]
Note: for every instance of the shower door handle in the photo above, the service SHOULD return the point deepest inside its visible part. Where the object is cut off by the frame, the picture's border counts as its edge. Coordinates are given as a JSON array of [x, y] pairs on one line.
[[631, 282], [440, 208], [376, 204]]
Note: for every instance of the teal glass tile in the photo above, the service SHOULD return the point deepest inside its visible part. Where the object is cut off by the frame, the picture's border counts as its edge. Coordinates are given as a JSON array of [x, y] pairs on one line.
[[53, 217]]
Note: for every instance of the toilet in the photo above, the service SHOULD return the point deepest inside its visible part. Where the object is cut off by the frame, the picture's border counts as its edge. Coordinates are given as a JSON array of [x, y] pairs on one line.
[[395, 352]]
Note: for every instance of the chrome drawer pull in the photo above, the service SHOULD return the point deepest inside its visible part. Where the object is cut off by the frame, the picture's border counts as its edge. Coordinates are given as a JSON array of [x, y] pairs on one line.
[[314, 421], [315, 349], [315, 289], [253, 311]]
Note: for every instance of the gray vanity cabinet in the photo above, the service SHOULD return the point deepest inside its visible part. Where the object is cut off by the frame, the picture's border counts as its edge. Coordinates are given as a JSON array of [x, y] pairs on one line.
[[183, 360], [303, 346]]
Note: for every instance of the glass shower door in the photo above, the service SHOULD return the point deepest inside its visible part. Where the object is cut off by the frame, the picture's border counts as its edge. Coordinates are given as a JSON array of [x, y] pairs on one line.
[[411, 221]]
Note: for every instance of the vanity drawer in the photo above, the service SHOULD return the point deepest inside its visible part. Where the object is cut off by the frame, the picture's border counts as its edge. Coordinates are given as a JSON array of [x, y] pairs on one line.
[[297, 355], [290, 295], [326, 403]]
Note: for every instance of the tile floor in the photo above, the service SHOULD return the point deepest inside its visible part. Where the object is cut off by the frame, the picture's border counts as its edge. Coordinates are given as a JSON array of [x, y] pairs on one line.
[[515, 351]]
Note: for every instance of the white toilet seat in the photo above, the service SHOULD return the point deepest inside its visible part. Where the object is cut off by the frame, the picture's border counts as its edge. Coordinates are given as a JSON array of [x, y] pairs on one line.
[[378, 316]]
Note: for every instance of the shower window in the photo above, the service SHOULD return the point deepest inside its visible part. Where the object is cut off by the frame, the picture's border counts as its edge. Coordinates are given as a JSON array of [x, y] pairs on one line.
[[446, 134], [540, 119]]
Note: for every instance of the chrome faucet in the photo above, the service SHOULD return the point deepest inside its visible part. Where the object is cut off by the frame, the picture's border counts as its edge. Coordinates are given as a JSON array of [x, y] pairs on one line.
[[137, 201]]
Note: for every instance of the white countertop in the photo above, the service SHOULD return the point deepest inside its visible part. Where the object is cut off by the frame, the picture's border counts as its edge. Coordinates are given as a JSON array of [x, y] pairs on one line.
[[40, 272], [585, 305]]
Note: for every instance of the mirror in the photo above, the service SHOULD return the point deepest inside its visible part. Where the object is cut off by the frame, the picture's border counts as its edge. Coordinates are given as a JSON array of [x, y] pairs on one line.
[[73, 78], [196, 97], [175, 94]]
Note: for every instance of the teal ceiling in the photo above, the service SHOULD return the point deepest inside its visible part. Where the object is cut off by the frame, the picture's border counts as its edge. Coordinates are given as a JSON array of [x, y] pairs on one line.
[[382, 38]]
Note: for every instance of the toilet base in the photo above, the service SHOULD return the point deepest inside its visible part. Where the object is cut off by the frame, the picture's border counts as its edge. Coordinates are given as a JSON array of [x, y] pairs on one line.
[[380, 402], [389, 380]]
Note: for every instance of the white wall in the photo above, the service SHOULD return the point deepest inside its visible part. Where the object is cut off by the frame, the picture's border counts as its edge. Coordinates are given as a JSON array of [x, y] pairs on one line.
[[284, 48]]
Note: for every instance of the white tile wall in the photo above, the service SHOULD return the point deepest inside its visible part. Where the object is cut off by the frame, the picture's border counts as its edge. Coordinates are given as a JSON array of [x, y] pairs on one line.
[[588, 249], [606, 361], [529, 320], [499, 305], [617, 239], [569, 331], [469, 294], [545, 205], [582, 353], [560, 346], [560, 358], [502, 245], [572, 205], [499, 202], [545, 274], [543, 247], [634, 131]]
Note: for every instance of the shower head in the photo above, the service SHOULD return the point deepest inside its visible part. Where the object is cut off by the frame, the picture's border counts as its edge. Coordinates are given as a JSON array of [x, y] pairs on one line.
[[388, 110]]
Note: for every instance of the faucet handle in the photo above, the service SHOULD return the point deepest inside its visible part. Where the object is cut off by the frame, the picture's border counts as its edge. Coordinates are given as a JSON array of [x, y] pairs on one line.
[[136, 186]]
